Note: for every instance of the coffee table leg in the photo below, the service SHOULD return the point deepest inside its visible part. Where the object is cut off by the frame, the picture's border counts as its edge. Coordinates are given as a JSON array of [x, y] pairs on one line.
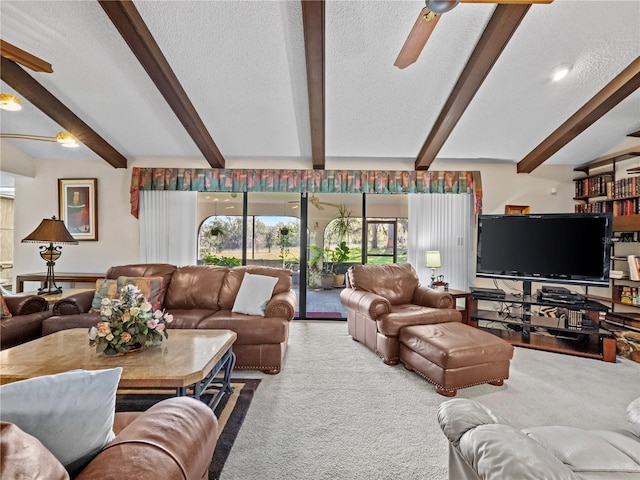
[[223, 384]]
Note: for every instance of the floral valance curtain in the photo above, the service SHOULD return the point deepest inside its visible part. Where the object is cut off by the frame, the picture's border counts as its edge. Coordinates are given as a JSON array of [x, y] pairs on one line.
[[321, 181]]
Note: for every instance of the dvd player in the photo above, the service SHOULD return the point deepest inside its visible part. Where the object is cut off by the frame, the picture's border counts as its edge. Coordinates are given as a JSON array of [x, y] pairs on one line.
[[488, 292]]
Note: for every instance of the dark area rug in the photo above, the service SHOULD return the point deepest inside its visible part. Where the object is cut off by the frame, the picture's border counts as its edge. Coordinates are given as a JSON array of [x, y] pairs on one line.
[[231, 412]]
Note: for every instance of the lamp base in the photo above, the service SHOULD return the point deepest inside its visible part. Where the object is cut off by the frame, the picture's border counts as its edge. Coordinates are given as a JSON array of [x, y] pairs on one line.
[[49, 290]]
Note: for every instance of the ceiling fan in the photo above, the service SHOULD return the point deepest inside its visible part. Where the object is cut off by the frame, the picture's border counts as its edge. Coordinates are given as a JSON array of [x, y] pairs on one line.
[[427, 20], [315, 201]]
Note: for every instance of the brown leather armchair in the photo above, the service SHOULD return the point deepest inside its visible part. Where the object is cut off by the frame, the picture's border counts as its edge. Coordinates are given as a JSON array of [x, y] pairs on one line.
[[25, 323], [381, 299]]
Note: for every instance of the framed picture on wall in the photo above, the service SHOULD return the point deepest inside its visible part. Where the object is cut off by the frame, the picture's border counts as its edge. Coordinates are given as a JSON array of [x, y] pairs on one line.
[[517, 209], [78, 206]]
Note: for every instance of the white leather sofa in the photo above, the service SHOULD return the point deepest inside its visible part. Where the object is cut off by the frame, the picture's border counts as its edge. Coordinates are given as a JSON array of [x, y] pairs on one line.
[[484, 446]]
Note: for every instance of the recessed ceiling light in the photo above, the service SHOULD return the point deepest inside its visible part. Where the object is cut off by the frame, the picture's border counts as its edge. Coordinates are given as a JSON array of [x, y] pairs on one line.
[[561, 71]]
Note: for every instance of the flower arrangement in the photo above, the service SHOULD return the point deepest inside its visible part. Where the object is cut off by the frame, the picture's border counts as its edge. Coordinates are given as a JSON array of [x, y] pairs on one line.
[[128, 323]]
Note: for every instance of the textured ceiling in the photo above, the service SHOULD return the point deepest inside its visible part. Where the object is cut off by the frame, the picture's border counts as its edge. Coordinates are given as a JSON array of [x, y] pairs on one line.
[[242, 64]]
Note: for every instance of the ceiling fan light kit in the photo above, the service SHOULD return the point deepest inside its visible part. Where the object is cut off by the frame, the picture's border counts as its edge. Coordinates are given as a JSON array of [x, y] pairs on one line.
[[67, 140], [10, 102], [441, 6], [63, 138]]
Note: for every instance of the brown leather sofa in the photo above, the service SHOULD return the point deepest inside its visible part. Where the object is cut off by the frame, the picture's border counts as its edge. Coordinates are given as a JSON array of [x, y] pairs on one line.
[[381, 299], [25, 323], [200, 296], [174, 439]]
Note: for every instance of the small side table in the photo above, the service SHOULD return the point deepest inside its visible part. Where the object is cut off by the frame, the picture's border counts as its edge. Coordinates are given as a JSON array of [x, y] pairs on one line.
[[464, 309]]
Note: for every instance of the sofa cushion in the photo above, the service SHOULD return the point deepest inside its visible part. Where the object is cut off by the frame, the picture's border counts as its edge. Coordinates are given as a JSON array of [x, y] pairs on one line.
[[152, 288], [105, 288], [23, 456], [251, 330], [409, 314], [394, 282], [195, 286], [71, 413], [233, 280], [633, 417], [254, 294], [189, 317], [599, 451], [163, 270]]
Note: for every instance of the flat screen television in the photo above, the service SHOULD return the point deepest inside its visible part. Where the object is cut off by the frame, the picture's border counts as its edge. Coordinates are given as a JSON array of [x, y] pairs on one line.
[[558, 247]]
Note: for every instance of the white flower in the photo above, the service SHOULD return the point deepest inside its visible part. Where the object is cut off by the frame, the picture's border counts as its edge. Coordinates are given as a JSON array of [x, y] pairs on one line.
[[109, 337], [134, 311], [145, 307], [158, 314], [168, 317], [93, 333], [160, 327], [105, 301], [106, 311]]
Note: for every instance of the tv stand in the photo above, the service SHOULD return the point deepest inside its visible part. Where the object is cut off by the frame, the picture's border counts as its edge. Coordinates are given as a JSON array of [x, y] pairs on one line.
[[575, 328]]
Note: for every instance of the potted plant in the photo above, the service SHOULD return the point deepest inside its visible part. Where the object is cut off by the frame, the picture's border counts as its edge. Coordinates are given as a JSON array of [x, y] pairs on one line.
[[339, 254], [314, 267]]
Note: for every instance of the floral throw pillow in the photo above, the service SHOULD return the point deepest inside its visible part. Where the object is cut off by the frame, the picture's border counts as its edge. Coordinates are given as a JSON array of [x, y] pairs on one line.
[[4, 310], [105, 288], [151, 287]]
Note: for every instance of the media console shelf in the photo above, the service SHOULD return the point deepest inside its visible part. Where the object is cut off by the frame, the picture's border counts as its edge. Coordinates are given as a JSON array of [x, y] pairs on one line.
[[577, 333]]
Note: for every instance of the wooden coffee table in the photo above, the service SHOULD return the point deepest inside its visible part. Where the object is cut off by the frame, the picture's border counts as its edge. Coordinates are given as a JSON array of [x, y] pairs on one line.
[[189, 361]]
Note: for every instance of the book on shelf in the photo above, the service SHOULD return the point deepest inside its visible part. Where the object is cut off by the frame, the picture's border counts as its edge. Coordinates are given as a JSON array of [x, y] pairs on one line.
[[634, 267]]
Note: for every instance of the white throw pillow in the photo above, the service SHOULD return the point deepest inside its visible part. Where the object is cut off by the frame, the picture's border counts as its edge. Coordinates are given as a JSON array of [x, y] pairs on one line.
[[254, 294], [71, 413]]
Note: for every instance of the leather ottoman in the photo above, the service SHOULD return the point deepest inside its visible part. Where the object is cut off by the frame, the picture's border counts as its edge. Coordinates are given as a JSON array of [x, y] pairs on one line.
[[453, 355]]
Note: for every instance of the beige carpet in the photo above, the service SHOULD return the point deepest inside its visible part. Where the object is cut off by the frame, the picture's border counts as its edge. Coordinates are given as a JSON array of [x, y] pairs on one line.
[[337, 412]]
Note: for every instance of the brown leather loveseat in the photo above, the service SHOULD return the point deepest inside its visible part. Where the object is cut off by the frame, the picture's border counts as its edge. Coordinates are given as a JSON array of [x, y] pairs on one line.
[[201, 296], [381, 299], [25, 323]]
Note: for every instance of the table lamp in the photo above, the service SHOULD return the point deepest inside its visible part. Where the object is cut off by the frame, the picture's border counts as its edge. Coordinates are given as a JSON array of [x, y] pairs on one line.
[[432, 260], [51, 231]]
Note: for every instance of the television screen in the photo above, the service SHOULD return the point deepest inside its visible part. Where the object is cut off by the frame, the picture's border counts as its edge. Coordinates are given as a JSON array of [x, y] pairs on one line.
[[561, 248]]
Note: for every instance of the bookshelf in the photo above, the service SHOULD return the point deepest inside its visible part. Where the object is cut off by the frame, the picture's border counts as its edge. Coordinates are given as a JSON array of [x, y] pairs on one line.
[[608, 186]]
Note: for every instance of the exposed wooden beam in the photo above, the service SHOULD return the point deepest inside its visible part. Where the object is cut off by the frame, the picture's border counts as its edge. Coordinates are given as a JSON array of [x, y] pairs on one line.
[[502, 24], [608, 160], [634, 134], [623, 85], [131, 26], [15, 54], [14, 76], [313, 14]]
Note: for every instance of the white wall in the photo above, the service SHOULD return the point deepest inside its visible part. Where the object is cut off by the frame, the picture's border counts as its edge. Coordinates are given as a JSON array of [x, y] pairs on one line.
[[37, 198]]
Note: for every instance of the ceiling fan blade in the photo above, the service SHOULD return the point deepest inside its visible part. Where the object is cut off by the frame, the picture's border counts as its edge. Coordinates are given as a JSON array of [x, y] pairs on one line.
[[417, 38], [15, 54]]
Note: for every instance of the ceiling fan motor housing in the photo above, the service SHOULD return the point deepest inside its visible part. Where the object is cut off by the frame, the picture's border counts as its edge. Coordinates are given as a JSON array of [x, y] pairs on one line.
[[441, 6]]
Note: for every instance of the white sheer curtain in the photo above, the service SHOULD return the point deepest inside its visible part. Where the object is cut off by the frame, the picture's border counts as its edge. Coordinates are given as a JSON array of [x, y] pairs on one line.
[[442, 222], [168, 227]]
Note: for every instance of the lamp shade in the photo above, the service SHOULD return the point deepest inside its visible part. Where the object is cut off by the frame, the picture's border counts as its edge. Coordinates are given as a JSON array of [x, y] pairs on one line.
[[432, 259], [50, 230]]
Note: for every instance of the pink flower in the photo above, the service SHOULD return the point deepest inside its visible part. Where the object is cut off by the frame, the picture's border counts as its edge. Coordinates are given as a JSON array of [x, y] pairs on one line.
[[103, 329], [152, 323], [160, 327], [168, 318], [126, 317], [126, 336], [158, 314]]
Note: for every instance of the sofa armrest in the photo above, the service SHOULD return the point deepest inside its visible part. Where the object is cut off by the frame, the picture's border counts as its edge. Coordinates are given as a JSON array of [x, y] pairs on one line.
[[366, 303], [175, 439], [460, 415], [282, 305], [25, 304], [428, 297], [74, 304]]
